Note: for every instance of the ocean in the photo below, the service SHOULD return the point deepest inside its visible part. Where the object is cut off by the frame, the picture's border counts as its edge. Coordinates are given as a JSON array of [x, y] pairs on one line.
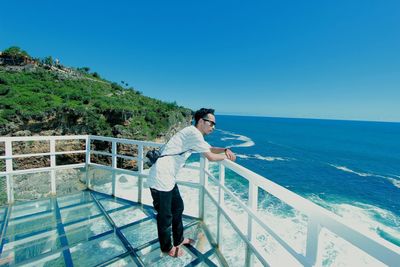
[[351, 168]]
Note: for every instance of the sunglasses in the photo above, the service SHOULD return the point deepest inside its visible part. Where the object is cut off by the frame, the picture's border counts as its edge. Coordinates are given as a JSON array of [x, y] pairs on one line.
[[212, 124]]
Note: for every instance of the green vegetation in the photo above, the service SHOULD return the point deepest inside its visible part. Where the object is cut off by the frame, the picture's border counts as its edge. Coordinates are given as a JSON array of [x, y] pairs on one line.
[[16, 54], [72, 101]]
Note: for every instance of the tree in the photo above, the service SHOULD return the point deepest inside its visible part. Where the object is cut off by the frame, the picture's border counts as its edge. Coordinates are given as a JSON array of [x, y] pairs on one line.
[[16, 54], [48, 61], [84, 69]]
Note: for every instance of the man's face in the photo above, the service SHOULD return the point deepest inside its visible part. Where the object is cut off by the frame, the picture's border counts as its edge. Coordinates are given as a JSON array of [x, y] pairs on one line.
[[207, 124]]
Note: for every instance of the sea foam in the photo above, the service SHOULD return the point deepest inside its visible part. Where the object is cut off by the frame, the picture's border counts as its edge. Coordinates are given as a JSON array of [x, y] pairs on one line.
[[345, 169], [245, 141], [259, 157], [394, 181]]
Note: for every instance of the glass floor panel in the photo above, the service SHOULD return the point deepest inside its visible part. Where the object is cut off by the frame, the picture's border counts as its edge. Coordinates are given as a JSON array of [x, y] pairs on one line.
[[27, 208], [93, 229], [152, 256], [74, 199], [110, 204], [24, 249], [76, 213], [53, 260], [84, 230], [33, 224], [127, 216], [141, 233], [127, 261], [97, 251]]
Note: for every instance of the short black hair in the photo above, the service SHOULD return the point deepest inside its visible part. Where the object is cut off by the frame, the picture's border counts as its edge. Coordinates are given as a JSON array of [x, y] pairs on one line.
[[202, 114]]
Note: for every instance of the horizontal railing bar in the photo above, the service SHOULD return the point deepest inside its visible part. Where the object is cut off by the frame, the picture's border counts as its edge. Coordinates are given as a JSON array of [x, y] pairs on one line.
[[189, 184], [36, 170], [126, 157], [69, 152], [237, 230], [125, 141], [104, 167], [42, 138], [192, 167], [108, 154], [43, 154]]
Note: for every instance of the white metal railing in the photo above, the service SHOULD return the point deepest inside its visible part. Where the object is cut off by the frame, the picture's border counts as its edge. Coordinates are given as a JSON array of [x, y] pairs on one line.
[[318, 217], [9, 158]]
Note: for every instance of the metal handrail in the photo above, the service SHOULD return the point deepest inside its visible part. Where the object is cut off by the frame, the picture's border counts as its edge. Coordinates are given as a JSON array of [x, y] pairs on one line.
[[319, 217]]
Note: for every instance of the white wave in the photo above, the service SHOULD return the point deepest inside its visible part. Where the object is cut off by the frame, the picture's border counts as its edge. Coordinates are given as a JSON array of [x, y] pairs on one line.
[[344, 168], [364, 216], [259, 157], [246, 141], [242, 156], [394, 181]]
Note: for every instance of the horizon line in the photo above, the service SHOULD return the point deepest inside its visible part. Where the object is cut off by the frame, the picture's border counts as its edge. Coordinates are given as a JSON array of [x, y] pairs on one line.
[[303, 118]]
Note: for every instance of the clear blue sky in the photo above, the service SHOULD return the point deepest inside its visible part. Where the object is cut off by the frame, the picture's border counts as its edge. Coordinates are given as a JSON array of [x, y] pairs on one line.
[[313, 59]]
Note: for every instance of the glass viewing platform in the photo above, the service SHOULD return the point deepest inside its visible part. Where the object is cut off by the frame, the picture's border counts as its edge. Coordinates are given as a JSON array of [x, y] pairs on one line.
[[84, 201]]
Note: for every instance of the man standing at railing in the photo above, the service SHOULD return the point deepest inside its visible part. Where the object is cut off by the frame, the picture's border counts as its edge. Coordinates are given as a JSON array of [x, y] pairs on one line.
[[167, 200]]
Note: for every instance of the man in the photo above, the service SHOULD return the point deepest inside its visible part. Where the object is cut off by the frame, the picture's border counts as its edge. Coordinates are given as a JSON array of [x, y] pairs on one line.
[[167, 200]]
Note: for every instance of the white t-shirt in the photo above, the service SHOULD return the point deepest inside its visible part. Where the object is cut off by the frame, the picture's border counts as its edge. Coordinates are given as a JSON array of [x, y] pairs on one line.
[[163, 173]]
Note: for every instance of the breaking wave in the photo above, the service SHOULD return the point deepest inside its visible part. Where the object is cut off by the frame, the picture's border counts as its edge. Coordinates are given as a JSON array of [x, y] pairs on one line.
[[245, 141], [259, 157], [394, 181]]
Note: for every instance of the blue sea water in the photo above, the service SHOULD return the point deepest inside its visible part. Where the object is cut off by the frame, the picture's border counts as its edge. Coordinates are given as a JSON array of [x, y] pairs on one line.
[[349, 167]]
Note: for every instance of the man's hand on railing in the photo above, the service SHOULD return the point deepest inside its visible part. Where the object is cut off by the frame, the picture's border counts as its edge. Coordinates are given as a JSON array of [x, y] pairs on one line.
[[229, 154]]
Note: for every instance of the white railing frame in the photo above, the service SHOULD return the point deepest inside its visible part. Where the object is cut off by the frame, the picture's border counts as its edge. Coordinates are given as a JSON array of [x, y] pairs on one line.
[[318, 217], [9, 156]]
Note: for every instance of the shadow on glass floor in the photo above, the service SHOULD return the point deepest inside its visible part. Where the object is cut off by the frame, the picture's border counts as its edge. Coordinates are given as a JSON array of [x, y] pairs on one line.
[[93, 229]]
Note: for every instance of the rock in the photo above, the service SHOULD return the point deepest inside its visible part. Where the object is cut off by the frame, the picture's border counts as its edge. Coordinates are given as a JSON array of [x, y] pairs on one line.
[[23, 133], [50, 132]]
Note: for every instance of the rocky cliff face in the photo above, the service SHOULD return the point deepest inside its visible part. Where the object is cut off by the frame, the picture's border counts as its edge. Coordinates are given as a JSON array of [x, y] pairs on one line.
[[44, 101], [37, 100]]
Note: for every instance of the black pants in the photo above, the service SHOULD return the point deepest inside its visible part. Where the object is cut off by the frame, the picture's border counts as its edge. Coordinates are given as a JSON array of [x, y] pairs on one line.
[[169, 207]]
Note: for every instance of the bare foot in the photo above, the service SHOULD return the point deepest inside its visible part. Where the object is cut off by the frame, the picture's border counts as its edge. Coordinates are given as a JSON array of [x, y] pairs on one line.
[[188, 241], [175, 252]]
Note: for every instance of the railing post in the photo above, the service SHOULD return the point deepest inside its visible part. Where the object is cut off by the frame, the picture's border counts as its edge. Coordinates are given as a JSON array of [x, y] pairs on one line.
[[140, 170], [252, 204], [53, 165], [313, 230], [203, 183], [221, 202], [87, 161], [9, 169], [114, 166]]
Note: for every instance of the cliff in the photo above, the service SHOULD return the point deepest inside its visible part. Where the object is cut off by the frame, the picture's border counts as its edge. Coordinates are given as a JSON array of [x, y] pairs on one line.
[[43, 99]]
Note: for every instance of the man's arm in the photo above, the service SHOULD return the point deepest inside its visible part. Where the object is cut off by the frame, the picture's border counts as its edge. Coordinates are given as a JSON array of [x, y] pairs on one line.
[[218, 154]]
